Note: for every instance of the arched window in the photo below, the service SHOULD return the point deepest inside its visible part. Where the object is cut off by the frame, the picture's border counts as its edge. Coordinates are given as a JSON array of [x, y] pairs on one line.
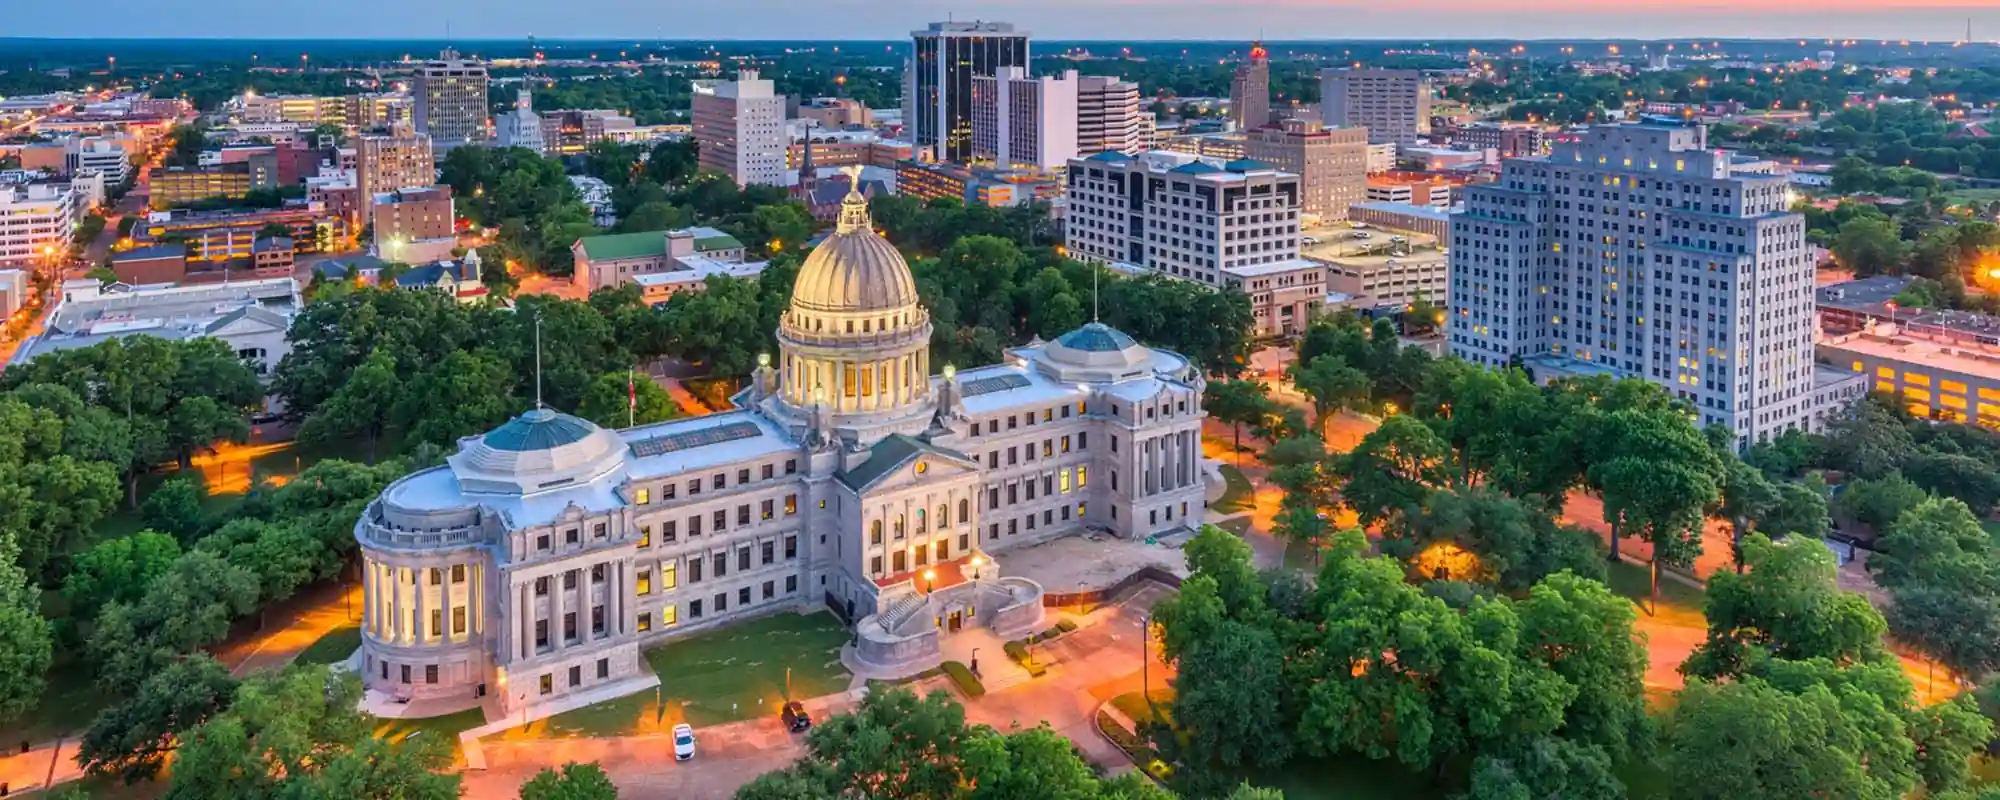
[[944, 516], [921, 520], [899, 526], [964, 511], [875, 532]]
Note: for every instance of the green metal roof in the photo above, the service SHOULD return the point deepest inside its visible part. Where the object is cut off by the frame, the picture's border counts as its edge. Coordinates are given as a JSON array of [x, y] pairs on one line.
[[1096, 337], [625, 245], [540, 429], [723, 241], [893, 453]]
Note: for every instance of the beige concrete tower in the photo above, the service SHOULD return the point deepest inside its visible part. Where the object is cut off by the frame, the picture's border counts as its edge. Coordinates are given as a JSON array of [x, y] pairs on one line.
[[855, 344]]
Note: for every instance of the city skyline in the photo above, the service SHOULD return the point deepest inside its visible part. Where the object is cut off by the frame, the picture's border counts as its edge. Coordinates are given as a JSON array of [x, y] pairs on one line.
[[1936, 20]]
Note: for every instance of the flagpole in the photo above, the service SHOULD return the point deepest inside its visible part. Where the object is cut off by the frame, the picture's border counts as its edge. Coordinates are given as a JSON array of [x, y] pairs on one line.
[[631, 399]]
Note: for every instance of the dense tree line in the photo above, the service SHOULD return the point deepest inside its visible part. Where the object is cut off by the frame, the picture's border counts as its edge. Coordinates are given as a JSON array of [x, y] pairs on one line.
[[897, 746], [1529, 696]]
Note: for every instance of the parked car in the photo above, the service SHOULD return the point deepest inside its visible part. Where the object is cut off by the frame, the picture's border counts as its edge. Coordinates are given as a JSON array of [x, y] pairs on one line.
[[683, 742], [1361, 234], [795, 717]]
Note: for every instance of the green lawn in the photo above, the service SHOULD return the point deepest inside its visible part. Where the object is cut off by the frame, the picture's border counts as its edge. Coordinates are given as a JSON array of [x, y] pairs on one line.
[[332, 648], [1140, 710], [1676, 598], [732, 674], [110, 787], [1972, 196], [1236, 493], [69, 703]]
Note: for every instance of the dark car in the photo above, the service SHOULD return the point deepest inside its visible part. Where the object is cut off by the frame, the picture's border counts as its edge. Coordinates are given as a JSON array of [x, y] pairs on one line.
[[795, 717]]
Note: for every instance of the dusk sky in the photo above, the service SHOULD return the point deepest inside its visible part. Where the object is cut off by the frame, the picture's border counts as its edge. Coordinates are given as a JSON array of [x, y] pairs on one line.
[[1048, 19]]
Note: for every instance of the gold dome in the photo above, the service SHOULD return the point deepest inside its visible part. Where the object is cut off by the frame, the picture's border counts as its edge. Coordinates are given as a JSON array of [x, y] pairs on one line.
[[855, 269]]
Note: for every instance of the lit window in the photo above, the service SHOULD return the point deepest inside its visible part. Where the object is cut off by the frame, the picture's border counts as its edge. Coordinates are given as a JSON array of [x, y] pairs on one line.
[[669, 574], [645, 496]]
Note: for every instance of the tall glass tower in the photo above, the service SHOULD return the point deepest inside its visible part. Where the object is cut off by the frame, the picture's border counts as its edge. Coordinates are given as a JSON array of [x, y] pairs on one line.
[[937, 89]]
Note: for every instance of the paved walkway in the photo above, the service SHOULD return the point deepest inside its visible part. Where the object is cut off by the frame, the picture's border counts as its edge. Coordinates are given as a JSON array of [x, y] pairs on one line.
[[291, 629], [23, 772]]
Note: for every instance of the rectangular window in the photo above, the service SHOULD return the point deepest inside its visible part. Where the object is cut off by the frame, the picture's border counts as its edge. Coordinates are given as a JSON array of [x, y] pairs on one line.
[[743, 595], [542, 543], [694, 569], [694, 609], [542, 586], [694, 487], [458, 620], [719, 564], [791, 466], [721, 602], [1083, 441], [721, 522], [769, 552], [667, 532], [791, 584], [875, 566], [667, 491], [548, 683], [764, 472], [430, 673], [717, 481], [541, 633], [1952, 386], [768, 509], [743, 515], [1915, 379], [644, 583], [670, 614], [669, 575], [644, 497], [1082, 478], [1064, 475], [1065, 439], [458, 570], [576, 676], [694, 526], [791, 547], [603, 668], [742, 559], [645, 536]]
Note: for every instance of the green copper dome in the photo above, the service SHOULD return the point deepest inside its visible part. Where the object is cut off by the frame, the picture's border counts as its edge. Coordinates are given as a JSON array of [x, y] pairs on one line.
[[1096, 338], [540, 429]]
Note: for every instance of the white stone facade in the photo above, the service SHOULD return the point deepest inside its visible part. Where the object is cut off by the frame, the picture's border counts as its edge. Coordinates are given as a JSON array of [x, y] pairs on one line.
[[1184, 216], [1639, 252], [547, 553]]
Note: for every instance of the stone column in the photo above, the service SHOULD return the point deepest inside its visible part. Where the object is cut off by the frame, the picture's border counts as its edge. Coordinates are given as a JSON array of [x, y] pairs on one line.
[[526, 593], [559, 633], [396, 605], [425, 604], [367, 595]]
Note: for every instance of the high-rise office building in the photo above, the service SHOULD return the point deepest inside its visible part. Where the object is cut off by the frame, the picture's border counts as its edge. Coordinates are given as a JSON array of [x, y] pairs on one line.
[[1250, 90], [937, 92], [1332, 163], [386, 162], [1018, 121], [1183, 216], [450, 95], [1637, 251], [740, 127], [1393, 104], [1109, 116]]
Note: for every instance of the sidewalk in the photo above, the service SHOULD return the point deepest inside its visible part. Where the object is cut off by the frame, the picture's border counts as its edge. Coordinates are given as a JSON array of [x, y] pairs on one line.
[[25, 772], [291, 629]]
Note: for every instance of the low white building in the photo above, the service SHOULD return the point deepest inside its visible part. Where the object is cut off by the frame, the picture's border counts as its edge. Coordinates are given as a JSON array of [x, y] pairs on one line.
[[251, 316], [596, 194]]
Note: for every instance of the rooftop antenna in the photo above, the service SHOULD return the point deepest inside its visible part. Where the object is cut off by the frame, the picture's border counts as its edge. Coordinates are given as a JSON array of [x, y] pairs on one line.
[[538, 361], [1093, 292]]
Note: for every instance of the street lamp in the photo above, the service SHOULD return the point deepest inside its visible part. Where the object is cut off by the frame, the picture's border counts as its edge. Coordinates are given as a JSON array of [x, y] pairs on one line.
[[930, 581], [1146, 657], [975, 661]]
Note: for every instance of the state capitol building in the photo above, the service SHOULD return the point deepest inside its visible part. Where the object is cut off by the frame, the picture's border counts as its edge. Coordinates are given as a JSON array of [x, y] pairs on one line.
[[546, 553]]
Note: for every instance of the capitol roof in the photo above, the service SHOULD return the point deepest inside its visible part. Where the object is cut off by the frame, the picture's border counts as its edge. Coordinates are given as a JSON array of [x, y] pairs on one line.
[[855, 269]]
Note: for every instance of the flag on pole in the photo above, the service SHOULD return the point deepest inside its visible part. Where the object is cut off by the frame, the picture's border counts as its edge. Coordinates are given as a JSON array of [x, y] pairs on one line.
[[631, 398]]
